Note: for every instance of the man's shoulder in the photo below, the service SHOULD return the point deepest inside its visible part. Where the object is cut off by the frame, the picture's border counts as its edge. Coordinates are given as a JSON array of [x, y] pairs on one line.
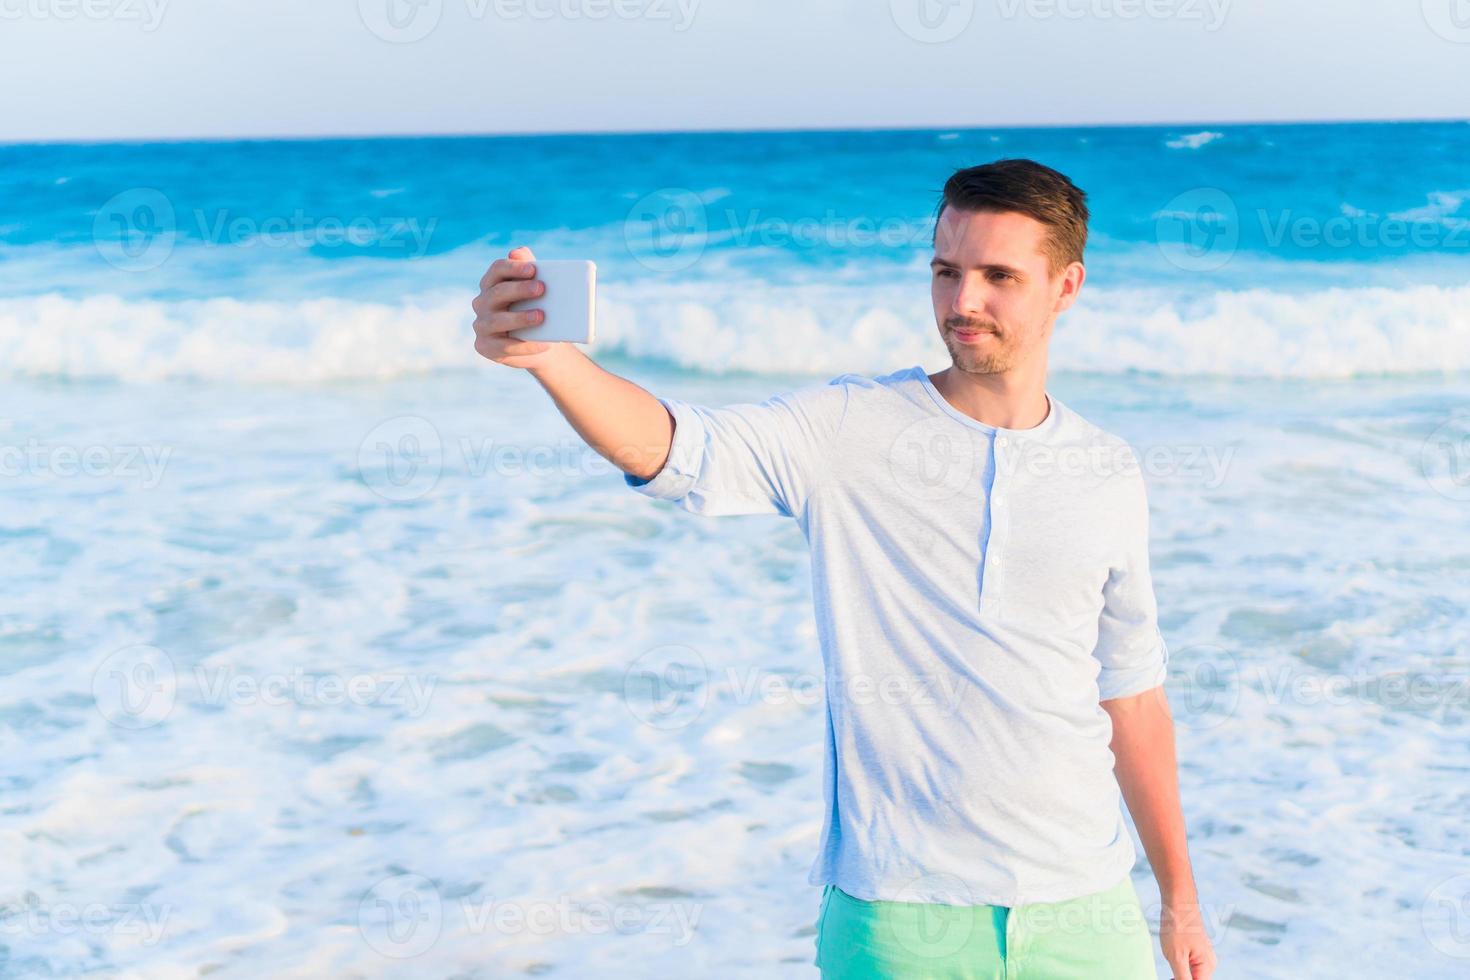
[[902, 376], [1075, 427], [1110, 460], [830, 402]]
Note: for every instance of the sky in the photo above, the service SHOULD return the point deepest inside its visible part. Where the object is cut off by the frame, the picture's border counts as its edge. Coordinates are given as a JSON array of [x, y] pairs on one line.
[[173, 69]]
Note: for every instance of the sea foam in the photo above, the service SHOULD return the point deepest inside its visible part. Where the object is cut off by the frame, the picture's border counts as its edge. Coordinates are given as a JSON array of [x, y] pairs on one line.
[[716, 328]]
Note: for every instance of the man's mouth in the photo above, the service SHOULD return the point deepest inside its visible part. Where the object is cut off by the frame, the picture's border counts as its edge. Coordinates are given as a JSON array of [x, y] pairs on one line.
[[969, 334]]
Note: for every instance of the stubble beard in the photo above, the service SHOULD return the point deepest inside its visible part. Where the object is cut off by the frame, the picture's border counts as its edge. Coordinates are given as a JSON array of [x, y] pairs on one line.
[[1000, 356]]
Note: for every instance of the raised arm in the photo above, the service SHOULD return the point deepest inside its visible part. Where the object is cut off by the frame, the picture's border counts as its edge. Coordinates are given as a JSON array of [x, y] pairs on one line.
[[625, 424]]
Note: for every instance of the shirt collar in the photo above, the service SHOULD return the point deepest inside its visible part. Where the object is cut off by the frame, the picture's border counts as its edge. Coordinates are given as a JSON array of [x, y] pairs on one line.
[[1044, 430]]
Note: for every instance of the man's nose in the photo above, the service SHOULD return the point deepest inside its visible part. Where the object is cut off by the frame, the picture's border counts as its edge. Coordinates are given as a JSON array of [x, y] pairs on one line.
[[970, 298]]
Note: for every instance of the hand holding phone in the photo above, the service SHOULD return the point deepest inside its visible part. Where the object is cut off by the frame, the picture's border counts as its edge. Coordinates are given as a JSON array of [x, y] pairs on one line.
[[513, 303], [569, 302]]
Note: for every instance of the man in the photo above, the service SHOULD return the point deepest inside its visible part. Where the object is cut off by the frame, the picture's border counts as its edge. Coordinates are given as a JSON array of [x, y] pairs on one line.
[[984, 604]]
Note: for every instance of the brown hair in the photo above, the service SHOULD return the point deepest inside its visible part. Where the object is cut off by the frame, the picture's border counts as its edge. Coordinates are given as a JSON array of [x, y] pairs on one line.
[[1029, 188]]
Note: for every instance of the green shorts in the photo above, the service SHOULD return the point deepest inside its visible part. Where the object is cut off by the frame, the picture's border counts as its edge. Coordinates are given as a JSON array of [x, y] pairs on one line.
[[1103, 936]]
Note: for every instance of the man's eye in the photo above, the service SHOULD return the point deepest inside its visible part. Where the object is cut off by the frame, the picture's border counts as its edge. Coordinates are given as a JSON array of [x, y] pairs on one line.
[[1001, 276], [946, 274]]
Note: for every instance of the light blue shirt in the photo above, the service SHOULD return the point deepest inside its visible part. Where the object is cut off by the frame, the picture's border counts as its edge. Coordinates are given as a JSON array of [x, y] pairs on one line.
[[978, 592]]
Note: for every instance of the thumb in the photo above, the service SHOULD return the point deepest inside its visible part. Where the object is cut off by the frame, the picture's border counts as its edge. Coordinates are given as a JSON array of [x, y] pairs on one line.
[[522, 254]]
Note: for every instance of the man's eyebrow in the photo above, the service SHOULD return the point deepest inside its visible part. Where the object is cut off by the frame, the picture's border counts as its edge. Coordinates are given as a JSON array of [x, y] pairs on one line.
[[990, 267]]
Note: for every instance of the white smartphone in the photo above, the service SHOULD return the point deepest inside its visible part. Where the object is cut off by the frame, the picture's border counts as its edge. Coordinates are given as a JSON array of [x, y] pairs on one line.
[[570, 302]]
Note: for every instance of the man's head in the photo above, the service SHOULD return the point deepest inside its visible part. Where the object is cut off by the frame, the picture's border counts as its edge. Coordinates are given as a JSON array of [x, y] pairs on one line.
[[1008, 245]]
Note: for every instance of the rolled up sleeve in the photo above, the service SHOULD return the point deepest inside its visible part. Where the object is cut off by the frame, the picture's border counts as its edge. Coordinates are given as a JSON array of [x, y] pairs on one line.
[[752, 458], [682, 467], [1130, 645]]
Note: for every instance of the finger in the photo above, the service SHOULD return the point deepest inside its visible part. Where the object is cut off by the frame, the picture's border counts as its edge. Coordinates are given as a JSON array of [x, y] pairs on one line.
[[496, 300], [503, 269], [522, 252], [500, 323], [502, 294], [499, 269], [499, 347]]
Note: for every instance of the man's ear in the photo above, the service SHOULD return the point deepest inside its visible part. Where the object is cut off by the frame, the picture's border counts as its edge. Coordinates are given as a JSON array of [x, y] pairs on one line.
[[1072, 278]]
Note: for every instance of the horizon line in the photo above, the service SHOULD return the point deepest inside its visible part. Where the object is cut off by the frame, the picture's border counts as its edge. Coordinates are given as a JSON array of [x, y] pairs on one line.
[[753, 131]]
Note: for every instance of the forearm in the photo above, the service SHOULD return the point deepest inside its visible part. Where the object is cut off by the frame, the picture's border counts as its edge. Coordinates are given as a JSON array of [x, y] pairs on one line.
[[621, 421], [1148, 775]]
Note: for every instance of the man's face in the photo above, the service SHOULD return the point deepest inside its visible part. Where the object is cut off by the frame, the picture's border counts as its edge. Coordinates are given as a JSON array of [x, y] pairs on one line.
[[995, 296]]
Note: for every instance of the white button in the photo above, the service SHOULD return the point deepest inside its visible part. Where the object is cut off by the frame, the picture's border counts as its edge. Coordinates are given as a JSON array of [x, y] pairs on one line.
[[995, 560], [1001, 441]]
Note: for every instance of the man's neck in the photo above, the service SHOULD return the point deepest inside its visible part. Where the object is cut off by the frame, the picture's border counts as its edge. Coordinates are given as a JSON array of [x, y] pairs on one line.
[[1011, 400]]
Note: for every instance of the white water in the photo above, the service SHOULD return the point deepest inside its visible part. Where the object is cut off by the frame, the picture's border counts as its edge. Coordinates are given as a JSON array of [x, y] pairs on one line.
[[707, 327], [489, 596]]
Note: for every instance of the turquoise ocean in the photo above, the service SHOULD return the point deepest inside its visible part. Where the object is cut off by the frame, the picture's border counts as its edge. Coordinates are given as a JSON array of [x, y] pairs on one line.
[[326, 649]]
